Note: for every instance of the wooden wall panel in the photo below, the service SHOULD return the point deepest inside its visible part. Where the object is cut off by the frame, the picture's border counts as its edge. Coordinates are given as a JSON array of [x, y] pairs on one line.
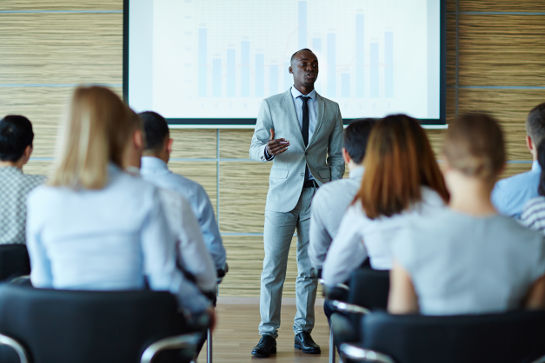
[[199, 144], [501, 5], [203, 173], [37, 167], [243, 191], [451, 49], [503, 50], [235, 144], [61, 48], [36, 5]]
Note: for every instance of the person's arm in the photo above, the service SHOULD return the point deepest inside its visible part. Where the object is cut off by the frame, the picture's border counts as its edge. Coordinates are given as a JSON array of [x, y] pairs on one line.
[[402, 298], [159, 262], [346, 252], [335, 155], [40, 274], [319, 238], [536, 295], [264, 146], [210, 230]]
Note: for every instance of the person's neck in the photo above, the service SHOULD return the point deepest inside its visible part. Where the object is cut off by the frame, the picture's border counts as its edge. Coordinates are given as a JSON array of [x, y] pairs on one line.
[[304, 90], [165, 158], [471, 195], [352, 166], [16, 164]]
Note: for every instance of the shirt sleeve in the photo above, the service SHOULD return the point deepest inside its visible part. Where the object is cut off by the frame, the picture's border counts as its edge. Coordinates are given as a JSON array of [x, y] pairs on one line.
[[347, 251], [159, 262], [319, 238], [261, 134], [40, 275], [210, 230]]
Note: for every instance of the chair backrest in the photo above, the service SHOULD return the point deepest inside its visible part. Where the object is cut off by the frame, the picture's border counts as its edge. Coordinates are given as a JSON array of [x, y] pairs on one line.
[[517, 336], [14, 261], [87, 326], [369, 288]]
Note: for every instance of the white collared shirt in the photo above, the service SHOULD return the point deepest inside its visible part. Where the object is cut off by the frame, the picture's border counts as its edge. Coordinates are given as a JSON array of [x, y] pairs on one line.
[[312, 110]]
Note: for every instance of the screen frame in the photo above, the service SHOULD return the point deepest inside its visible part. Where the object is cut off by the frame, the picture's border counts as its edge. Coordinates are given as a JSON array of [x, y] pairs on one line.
[[249, 123]]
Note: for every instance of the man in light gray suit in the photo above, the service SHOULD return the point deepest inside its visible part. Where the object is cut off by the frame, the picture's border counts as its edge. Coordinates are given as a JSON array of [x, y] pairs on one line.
[[301, 132]]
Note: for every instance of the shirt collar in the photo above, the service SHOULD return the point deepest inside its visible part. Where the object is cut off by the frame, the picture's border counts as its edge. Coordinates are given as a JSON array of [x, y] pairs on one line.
[[153, 163], [295, 93], [535, 166], [11, 170], [356, 173]]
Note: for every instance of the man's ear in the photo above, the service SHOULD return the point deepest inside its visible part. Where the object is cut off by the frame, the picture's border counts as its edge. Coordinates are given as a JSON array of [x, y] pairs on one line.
[[290, 70], [346, 156], [138, 139], [27, 153], [169, 145], [529, 143]]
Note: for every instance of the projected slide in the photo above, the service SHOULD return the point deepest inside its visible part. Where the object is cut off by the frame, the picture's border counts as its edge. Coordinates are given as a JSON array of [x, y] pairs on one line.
[[218, 59]]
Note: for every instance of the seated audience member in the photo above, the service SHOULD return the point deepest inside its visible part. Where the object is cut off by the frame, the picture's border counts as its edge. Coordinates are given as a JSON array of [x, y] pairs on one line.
[[94, 226], [193, 257], [468, 259], [511, 194], [533, 214], [332, 199], [401, 179], [157, 149], [16, 138]]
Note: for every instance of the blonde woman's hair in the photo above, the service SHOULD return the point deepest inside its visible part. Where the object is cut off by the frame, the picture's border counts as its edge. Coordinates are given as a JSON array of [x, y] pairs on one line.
[[475, 146], [94, 134]]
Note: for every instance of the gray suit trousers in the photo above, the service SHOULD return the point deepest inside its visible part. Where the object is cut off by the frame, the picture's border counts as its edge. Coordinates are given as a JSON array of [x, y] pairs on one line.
[[278, 233]]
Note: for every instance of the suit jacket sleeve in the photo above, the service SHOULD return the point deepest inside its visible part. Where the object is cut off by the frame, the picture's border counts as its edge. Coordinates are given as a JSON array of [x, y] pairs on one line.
[[335, 156], [261, 133]]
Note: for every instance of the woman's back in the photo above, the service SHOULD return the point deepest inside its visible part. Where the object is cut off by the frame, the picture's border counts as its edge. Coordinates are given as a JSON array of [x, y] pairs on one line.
[[95, 239], [461, 264]]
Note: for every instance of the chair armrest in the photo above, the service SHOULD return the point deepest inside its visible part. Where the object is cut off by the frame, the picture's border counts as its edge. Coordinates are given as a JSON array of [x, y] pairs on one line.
[[184, 341], [334, 292], [353, 352], [349, 308], [16, 346], [539, 360]]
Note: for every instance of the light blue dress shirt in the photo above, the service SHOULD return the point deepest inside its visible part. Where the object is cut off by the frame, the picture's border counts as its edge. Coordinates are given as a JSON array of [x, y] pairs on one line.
[[115, 238], [156, 171], [511, 194]]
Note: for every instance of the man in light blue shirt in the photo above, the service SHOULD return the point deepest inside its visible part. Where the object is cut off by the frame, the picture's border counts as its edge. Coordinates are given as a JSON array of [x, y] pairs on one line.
[[158, 146], [510, 194], [332, 199]]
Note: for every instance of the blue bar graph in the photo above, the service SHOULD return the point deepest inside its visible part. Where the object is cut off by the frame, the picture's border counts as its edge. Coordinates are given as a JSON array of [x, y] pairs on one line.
[[360, 46], [374, 69], [389, 64], [245, 68], [331, 65], [216, 74], [302, 23], [259, 74], [202, 61], [345, 85], [231, 73], [273, 79], [316, 45]]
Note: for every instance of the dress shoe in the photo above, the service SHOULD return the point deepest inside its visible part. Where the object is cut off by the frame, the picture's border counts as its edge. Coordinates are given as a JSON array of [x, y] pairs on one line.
[[265, 347], [304, 342]]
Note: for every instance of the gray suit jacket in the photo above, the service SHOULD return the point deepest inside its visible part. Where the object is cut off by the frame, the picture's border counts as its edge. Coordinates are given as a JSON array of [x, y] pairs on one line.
[[323, 153]]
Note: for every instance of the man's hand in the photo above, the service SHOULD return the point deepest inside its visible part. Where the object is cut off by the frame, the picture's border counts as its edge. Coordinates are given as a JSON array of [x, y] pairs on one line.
[[276, 146]]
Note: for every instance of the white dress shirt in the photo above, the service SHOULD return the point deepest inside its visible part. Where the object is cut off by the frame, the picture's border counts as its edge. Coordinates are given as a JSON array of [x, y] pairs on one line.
[[156, 171], [114, 238], [360, 237], [328, 207]]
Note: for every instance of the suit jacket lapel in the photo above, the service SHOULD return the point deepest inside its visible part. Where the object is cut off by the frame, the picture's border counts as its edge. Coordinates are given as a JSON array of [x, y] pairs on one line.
[[319, 118], [292, 117]]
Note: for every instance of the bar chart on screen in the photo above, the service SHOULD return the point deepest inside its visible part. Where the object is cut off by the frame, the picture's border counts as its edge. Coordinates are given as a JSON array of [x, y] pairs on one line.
[[219, 59]]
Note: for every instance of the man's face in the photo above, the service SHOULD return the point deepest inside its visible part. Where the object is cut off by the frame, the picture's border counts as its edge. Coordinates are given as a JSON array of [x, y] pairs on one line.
[[304, 68]]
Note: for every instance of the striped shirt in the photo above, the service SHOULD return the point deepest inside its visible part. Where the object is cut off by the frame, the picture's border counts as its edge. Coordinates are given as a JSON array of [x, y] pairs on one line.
[[533, 214]]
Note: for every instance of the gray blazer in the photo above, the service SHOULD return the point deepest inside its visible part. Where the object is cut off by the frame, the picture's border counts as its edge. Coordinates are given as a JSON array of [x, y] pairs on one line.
[[323, 153]]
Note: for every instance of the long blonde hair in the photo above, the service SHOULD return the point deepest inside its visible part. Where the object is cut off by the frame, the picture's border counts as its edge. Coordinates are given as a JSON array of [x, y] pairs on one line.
[[94, 133]]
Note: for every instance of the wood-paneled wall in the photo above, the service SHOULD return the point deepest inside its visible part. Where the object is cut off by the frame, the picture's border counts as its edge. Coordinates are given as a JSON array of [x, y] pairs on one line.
[[495, 63]]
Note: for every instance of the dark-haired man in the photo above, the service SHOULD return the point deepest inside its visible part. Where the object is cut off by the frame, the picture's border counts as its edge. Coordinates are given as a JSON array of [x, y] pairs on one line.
[[301, 132], [158, 146], [16, 137], [510, 195], [332, 200]]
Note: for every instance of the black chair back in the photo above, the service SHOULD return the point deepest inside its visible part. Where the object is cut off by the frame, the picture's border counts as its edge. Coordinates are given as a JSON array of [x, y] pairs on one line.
[[87, 326], [14, 261], [369, 288], [517, 336]]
